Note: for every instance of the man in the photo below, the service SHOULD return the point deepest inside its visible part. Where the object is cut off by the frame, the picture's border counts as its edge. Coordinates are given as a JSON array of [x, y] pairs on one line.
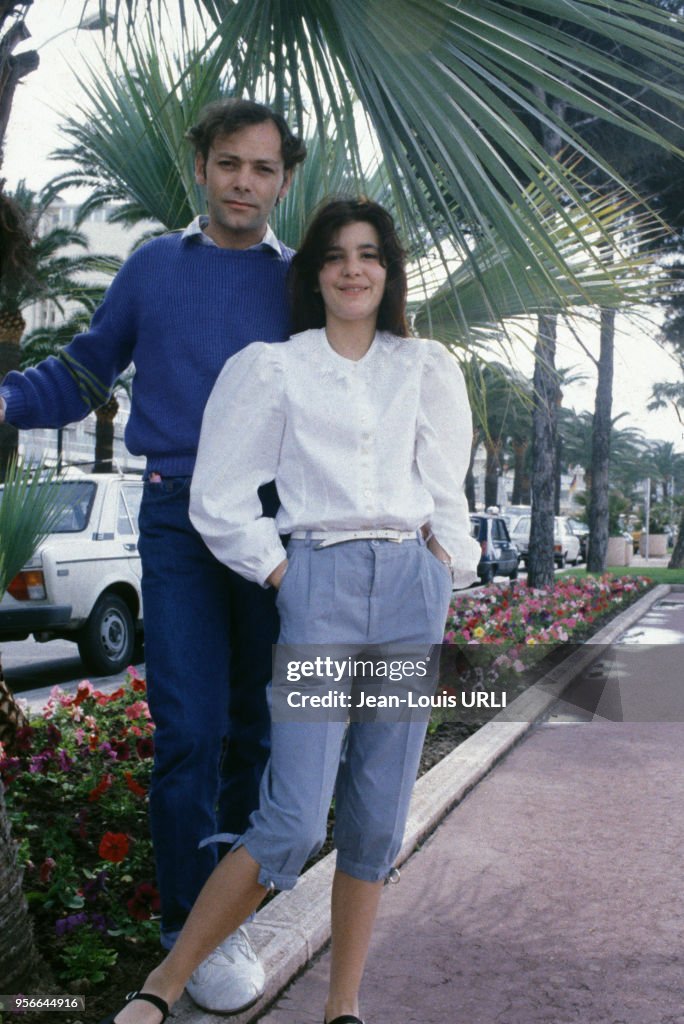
[[178, 308]]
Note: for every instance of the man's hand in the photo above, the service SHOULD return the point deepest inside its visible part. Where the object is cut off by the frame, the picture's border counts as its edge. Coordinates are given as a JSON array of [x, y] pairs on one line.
[[276, 577], [3, 406]]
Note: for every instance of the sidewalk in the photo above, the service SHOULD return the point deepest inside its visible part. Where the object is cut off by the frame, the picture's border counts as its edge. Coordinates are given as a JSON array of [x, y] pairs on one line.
[[550, 894]]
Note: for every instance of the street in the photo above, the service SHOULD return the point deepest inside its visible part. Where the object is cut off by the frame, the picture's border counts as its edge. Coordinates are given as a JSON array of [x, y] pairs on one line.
[[28, 665]]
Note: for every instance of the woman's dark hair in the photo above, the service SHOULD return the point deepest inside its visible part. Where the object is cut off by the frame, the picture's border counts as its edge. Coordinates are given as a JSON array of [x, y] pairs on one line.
[[308, 309], [223, 117]]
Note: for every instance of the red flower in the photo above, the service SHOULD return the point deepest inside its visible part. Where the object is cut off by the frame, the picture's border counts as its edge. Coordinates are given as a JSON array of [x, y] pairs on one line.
[[144, 903], [102, 787], [121, 749], [83, 691], [145, 747], [133, 785], [138, 685], [113, 847]]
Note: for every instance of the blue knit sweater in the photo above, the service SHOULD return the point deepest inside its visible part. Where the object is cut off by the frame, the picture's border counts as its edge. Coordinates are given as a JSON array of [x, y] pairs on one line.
[[177, 310]]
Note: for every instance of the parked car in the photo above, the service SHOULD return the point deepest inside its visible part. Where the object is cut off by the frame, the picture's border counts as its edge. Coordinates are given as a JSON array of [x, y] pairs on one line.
[[83, 583], [499, 556], [581, 531], [566, 545]]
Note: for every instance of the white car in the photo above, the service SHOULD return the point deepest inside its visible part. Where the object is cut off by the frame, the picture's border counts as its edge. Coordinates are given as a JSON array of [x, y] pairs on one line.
[[83, 582], [566, 544]]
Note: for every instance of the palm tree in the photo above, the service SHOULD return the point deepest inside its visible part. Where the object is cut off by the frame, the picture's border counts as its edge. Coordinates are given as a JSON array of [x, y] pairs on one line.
[[29, 507], [441, 85]]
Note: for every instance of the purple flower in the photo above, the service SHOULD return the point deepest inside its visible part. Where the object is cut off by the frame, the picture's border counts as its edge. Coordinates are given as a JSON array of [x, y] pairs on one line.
[[39, 762], [64, 761], [67, 924], [94, 886]]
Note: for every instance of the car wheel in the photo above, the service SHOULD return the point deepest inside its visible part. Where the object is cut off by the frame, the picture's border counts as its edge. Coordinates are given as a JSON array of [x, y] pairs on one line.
[[514, 574], [487, 575], [107, 640], [560, 561]]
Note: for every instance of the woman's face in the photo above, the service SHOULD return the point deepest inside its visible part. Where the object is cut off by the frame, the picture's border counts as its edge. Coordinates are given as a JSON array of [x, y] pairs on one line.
[[352, 278]]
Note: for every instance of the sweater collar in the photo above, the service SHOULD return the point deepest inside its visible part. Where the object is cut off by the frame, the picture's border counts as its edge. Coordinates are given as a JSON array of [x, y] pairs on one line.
[[195, 230]]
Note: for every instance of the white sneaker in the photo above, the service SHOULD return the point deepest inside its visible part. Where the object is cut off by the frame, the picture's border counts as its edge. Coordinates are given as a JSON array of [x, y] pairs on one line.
[[230, 979]]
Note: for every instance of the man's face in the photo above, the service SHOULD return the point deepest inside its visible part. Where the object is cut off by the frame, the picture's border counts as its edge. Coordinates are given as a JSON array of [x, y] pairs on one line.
[[244, 178]]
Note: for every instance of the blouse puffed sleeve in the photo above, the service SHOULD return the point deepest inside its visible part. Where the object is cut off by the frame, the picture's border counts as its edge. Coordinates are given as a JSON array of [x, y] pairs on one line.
[[443, 445], [239, 450]]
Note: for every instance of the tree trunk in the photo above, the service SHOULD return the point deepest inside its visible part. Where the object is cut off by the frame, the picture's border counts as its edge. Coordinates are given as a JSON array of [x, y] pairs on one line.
[[540, 570], [546, 399], [104, 436], [600, 447], [677, 557], [521, 483], [492, 472], [12, 718], [469, 485], [21, 967], [12, 326]]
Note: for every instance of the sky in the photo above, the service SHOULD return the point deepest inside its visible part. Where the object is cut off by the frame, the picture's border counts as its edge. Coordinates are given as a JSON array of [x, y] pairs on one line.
[[49, 93]]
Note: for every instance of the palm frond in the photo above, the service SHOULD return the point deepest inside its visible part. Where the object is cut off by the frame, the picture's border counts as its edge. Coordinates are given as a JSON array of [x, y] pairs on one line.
[[29, 508], [612, 267]]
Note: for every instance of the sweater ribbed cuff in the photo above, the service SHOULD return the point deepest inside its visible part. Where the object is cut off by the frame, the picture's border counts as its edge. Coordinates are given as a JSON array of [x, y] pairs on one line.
[[15, 404]]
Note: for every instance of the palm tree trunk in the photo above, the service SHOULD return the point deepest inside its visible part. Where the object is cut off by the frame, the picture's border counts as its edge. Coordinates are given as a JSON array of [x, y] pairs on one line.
[[104, 436], [469, 484], [600, 447], [12, 718], [21, 966], [492, 471], [520, 495], [544, 434], [677, 557]]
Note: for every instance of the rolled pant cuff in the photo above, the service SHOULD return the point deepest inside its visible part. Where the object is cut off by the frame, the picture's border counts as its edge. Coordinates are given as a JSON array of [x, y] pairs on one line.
[[271, 880]]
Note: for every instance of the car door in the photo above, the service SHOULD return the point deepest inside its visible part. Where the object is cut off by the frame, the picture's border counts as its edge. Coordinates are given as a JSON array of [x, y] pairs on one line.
[[128, 509]]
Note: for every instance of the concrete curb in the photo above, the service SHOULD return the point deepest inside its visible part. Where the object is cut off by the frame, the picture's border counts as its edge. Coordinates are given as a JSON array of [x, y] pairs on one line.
[[295, 926]]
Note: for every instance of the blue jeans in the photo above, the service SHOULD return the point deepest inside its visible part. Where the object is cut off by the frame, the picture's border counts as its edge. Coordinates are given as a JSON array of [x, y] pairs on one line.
[[208, 638]]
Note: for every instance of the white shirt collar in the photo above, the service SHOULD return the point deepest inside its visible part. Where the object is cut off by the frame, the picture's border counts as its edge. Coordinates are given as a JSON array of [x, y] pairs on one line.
[[196, 230]]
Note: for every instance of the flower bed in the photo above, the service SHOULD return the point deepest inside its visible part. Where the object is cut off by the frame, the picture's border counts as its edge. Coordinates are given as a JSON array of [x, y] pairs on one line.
[[517, 619], [77, 786], [76, 794]]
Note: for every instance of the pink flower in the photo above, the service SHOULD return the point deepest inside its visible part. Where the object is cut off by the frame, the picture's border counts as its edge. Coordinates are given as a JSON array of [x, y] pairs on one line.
[[137, 710]]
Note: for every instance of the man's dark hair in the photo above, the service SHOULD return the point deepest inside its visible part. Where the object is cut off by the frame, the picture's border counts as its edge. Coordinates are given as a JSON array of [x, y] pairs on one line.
[[223, 117], [308, 309]]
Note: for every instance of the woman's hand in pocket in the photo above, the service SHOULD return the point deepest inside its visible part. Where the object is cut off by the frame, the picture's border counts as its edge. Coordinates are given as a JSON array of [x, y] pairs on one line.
[[276, 577]]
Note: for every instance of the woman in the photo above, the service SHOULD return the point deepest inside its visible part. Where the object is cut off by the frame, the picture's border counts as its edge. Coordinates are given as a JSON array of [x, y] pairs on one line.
[[367, 433]]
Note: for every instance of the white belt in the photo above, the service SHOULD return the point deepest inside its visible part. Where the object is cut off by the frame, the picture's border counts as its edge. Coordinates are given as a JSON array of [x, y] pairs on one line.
[[329, 537]]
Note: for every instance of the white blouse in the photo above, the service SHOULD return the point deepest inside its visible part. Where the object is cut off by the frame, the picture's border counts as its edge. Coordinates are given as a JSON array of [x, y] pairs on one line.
[[379, 443]]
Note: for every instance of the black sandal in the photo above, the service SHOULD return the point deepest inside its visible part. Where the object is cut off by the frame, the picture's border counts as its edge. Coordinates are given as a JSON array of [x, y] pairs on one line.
[[157, 1001], [346, 1018]]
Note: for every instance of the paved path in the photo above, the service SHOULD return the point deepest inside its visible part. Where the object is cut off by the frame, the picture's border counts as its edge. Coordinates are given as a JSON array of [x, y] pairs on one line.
[[553, 893]]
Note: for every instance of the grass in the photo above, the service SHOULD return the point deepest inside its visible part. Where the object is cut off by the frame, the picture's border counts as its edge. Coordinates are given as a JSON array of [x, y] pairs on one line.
[[657, 573]]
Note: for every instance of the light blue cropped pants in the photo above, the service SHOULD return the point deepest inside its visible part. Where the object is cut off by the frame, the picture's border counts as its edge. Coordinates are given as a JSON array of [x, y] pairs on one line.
[[357, 593]]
